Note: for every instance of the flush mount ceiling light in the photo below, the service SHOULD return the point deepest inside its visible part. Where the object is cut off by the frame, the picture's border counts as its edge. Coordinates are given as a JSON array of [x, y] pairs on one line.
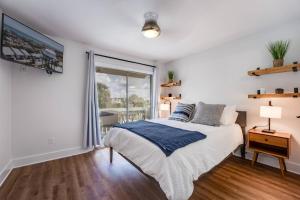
[[151, 28]]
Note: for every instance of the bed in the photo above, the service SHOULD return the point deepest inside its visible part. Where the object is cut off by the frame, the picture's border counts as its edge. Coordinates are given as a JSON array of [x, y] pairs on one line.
[[176, 173]]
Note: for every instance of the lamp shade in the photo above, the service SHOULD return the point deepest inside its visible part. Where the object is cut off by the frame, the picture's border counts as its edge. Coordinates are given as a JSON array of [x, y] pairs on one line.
[[270, 112], [164, 107]]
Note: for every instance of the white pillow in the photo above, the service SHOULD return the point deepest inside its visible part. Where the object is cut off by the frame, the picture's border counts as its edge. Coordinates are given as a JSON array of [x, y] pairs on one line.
[[234, 118], [229, 115]]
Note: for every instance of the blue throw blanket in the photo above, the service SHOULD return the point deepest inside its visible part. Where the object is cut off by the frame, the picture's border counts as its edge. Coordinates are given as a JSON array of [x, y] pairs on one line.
[[167, 138]]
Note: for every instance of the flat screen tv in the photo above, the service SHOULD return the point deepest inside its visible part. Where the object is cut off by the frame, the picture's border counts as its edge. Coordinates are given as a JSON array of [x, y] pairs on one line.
[[23, 45]]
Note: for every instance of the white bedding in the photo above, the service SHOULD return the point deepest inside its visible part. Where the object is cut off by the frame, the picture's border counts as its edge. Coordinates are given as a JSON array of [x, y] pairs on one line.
[[177, 172]]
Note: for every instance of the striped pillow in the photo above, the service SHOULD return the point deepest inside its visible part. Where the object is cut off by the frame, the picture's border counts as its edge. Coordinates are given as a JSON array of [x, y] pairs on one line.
[[183, 112]]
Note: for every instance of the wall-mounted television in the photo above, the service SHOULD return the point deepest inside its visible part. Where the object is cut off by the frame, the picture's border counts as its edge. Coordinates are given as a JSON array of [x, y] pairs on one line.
[[23, 45]]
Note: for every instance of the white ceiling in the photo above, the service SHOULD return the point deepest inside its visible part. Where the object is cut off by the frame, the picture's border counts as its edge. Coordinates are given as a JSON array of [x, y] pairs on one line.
[[188, 26]]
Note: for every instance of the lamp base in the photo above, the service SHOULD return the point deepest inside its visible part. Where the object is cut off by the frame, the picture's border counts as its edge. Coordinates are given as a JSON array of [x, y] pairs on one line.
[[268, 131]]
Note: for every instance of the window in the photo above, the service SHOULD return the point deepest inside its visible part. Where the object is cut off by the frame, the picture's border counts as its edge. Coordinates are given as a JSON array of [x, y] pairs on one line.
[[123, 96]]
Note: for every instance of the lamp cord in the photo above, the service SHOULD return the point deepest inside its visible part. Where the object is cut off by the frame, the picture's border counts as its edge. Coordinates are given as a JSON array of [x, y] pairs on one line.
[[254, 127]]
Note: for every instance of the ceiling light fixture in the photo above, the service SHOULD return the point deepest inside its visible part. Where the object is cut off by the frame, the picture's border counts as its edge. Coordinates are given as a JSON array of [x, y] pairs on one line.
[[151, 28]]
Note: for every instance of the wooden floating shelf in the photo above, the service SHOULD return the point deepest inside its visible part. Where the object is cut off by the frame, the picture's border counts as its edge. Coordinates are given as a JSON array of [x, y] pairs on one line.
[[171, 84], [274, 70], [170, 98], [285, 95]]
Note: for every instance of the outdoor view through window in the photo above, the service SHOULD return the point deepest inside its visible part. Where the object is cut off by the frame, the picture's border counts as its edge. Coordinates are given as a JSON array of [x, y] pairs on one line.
[[123, 97]]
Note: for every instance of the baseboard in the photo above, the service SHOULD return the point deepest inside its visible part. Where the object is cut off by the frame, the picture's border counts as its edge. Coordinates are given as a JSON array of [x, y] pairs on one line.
[[6, 171], [293, 167], [39, 158], [273, 162]]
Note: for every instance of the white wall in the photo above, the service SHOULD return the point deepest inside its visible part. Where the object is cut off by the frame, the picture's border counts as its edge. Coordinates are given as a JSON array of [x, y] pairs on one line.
[[219, 75], [5, 117], [46, 108], [47, 111]]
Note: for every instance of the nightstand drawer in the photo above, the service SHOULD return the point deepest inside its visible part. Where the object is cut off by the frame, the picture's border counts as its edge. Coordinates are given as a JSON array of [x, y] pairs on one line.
[[270, 140]]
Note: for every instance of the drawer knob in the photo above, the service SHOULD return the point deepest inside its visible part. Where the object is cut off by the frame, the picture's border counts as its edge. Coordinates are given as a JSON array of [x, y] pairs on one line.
[[266, 140]]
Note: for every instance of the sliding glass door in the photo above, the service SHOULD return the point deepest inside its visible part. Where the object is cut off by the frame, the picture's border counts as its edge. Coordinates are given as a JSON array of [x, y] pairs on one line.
[[123, 96], [139, 98]]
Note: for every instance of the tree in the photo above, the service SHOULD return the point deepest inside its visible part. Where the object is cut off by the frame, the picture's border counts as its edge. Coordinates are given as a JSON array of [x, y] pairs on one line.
[[136, 101], [104, 99]]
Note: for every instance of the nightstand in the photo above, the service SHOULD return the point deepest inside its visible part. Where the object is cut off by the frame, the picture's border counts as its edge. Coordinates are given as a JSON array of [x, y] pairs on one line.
[[277, 145]]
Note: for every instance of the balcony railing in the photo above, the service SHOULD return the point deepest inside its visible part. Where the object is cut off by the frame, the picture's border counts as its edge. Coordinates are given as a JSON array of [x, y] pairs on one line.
[[111, 116]]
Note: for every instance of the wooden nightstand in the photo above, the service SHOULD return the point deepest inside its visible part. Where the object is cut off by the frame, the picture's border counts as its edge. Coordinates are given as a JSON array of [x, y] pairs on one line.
[[277, 144]]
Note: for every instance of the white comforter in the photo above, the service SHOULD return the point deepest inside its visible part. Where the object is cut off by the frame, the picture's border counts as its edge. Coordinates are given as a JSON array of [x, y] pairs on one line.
[[177, 172]]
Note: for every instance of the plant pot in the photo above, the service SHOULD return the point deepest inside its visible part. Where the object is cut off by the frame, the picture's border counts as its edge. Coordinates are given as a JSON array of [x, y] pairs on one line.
[[278, 62], [171, 80]]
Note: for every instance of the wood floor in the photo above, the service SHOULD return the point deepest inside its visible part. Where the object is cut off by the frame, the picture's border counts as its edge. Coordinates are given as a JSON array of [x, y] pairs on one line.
[[90, 176]]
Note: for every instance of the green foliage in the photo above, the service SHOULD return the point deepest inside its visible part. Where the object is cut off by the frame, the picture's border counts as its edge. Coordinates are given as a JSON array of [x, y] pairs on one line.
[[278, 49], [105, 100], [136, 101], [103, 96], [171, 75]]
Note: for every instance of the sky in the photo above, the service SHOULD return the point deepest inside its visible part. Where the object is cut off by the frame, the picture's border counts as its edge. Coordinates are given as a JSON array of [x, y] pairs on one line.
[[117, 85]]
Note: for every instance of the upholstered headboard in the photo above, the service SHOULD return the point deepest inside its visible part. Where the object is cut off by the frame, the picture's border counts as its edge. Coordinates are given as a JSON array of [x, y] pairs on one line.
[[242, 121]]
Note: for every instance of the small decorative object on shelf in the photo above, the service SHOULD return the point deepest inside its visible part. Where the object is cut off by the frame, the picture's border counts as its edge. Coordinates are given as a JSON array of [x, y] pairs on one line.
[[278, 50], [171, 76], [279, 91], [296, 90], [258, 91], [170, 94]]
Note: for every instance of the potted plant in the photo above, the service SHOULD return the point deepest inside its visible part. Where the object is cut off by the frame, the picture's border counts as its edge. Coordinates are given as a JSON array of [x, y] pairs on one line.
[[171, 76], [278, 50]]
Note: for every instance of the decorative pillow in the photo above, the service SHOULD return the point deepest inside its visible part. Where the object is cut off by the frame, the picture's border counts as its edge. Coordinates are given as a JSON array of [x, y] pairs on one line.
[[187, 101], [208, 114], [229, 115], [183, 112]]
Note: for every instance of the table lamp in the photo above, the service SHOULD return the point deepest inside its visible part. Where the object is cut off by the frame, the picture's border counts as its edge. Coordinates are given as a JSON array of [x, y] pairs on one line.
[[166, 106], [270, 112]]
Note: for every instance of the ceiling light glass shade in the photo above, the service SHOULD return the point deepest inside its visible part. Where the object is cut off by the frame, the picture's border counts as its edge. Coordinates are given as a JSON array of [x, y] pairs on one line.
[[151, 28]]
